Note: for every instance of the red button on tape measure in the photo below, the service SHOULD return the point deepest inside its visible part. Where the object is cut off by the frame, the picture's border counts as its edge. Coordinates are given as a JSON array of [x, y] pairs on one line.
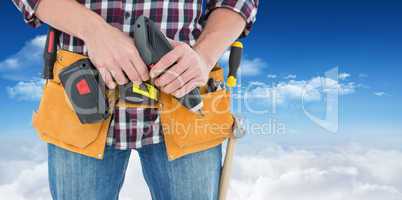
[[83, 87]]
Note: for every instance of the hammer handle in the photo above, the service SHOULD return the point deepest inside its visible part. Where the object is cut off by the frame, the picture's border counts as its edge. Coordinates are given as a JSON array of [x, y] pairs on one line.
[[227, 168]]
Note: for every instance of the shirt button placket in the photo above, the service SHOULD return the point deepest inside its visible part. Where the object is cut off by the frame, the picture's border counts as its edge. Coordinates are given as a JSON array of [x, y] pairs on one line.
[[127, 18], [127, 15]]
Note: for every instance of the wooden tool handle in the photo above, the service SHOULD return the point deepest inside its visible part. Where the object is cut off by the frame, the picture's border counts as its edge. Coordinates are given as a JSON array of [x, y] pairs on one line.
[[227, 169]]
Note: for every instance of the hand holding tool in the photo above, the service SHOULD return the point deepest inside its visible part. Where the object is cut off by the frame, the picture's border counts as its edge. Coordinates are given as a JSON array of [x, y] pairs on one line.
[[152, 46]]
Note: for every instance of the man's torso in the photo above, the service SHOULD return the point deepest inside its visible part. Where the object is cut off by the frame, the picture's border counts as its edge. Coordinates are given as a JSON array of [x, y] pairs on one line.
[[177, 19]]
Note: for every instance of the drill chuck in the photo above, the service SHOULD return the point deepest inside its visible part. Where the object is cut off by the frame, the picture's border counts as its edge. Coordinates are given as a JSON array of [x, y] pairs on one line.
[[192, 100]]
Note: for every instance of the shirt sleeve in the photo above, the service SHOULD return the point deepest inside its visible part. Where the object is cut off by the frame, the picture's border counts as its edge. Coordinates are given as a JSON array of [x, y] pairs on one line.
[[246, 8], [28, 9]]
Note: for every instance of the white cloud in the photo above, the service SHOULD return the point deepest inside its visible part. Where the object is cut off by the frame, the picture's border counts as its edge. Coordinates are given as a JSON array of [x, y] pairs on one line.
[[380, 94], [23, 168], [30, 183], [248, 67], [23, 172], [257, 83], [30, 52], [343, 76], [290, 76], [26, 90], [26, 61], [309, 90], [271, 76], [362, 75], [343, 173], [252, 67]]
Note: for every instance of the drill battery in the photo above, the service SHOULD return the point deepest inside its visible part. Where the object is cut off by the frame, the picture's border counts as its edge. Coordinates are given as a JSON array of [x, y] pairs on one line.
[[86, 91]]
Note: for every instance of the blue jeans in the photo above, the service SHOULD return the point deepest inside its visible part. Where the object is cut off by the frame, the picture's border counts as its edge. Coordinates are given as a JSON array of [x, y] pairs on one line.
[[76, 177]]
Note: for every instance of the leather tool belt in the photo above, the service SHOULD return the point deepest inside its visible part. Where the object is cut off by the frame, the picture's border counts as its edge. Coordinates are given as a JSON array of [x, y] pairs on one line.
[[184, 131]]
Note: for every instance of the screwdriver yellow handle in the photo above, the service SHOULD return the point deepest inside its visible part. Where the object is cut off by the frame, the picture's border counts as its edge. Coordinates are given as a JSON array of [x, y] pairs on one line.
[[236, 52]]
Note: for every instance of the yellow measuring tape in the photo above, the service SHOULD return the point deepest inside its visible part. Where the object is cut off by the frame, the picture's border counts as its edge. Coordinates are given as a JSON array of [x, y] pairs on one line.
[[151, 92]]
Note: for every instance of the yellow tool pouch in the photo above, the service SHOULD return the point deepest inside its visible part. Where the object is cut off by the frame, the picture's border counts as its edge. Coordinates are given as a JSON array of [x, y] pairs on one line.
[[57, 123], [184, 132], [187, 132]]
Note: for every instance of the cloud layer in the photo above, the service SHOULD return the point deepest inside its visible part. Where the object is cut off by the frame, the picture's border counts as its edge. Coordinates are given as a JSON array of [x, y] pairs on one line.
[[249, 66], [26, 62], [29, 54], [308, 90], [26, 90], [23, 173], [349, 173], [380, 94], [341, 174]]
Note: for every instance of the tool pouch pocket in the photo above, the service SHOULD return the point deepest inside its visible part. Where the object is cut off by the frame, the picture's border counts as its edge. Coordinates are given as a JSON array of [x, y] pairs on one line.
[[56, 120], [187, 132]]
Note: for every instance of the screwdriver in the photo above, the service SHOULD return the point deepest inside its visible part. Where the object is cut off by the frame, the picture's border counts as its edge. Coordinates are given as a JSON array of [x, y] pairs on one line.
[[236, 51]]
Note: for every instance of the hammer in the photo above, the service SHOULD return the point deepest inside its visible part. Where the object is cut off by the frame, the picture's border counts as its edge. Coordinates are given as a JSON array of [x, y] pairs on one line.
[[236, 51]]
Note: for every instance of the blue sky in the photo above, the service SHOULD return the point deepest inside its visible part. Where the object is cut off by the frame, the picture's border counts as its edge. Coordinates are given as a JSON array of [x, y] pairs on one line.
[[292, 44]]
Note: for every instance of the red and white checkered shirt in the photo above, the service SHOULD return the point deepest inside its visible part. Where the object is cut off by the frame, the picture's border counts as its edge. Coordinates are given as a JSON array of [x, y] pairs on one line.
[[178, 19]]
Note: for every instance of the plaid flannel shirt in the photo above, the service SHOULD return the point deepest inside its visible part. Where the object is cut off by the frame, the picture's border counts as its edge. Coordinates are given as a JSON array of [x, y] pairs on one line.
[[178, 19]]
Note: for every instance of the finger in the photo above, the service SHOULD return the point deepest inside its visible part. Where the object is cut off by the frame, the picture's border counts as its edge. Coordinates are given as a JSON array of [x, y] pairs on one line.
[[140, 67], [179, 82], [118, 76], [185, 89], [173, 72], [130, 71], [166, 61], [107, 78]]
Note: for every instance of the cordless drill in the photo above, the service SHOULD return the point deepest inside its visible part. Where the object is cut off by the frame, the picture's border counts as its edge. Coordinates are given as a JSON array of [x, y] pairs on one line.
[[152, 46]]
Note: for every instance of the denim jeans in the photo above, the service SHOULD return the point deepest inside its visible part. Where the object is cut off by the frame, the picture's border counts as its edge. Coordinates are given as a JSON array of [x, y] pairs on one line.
[[77, 177]]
